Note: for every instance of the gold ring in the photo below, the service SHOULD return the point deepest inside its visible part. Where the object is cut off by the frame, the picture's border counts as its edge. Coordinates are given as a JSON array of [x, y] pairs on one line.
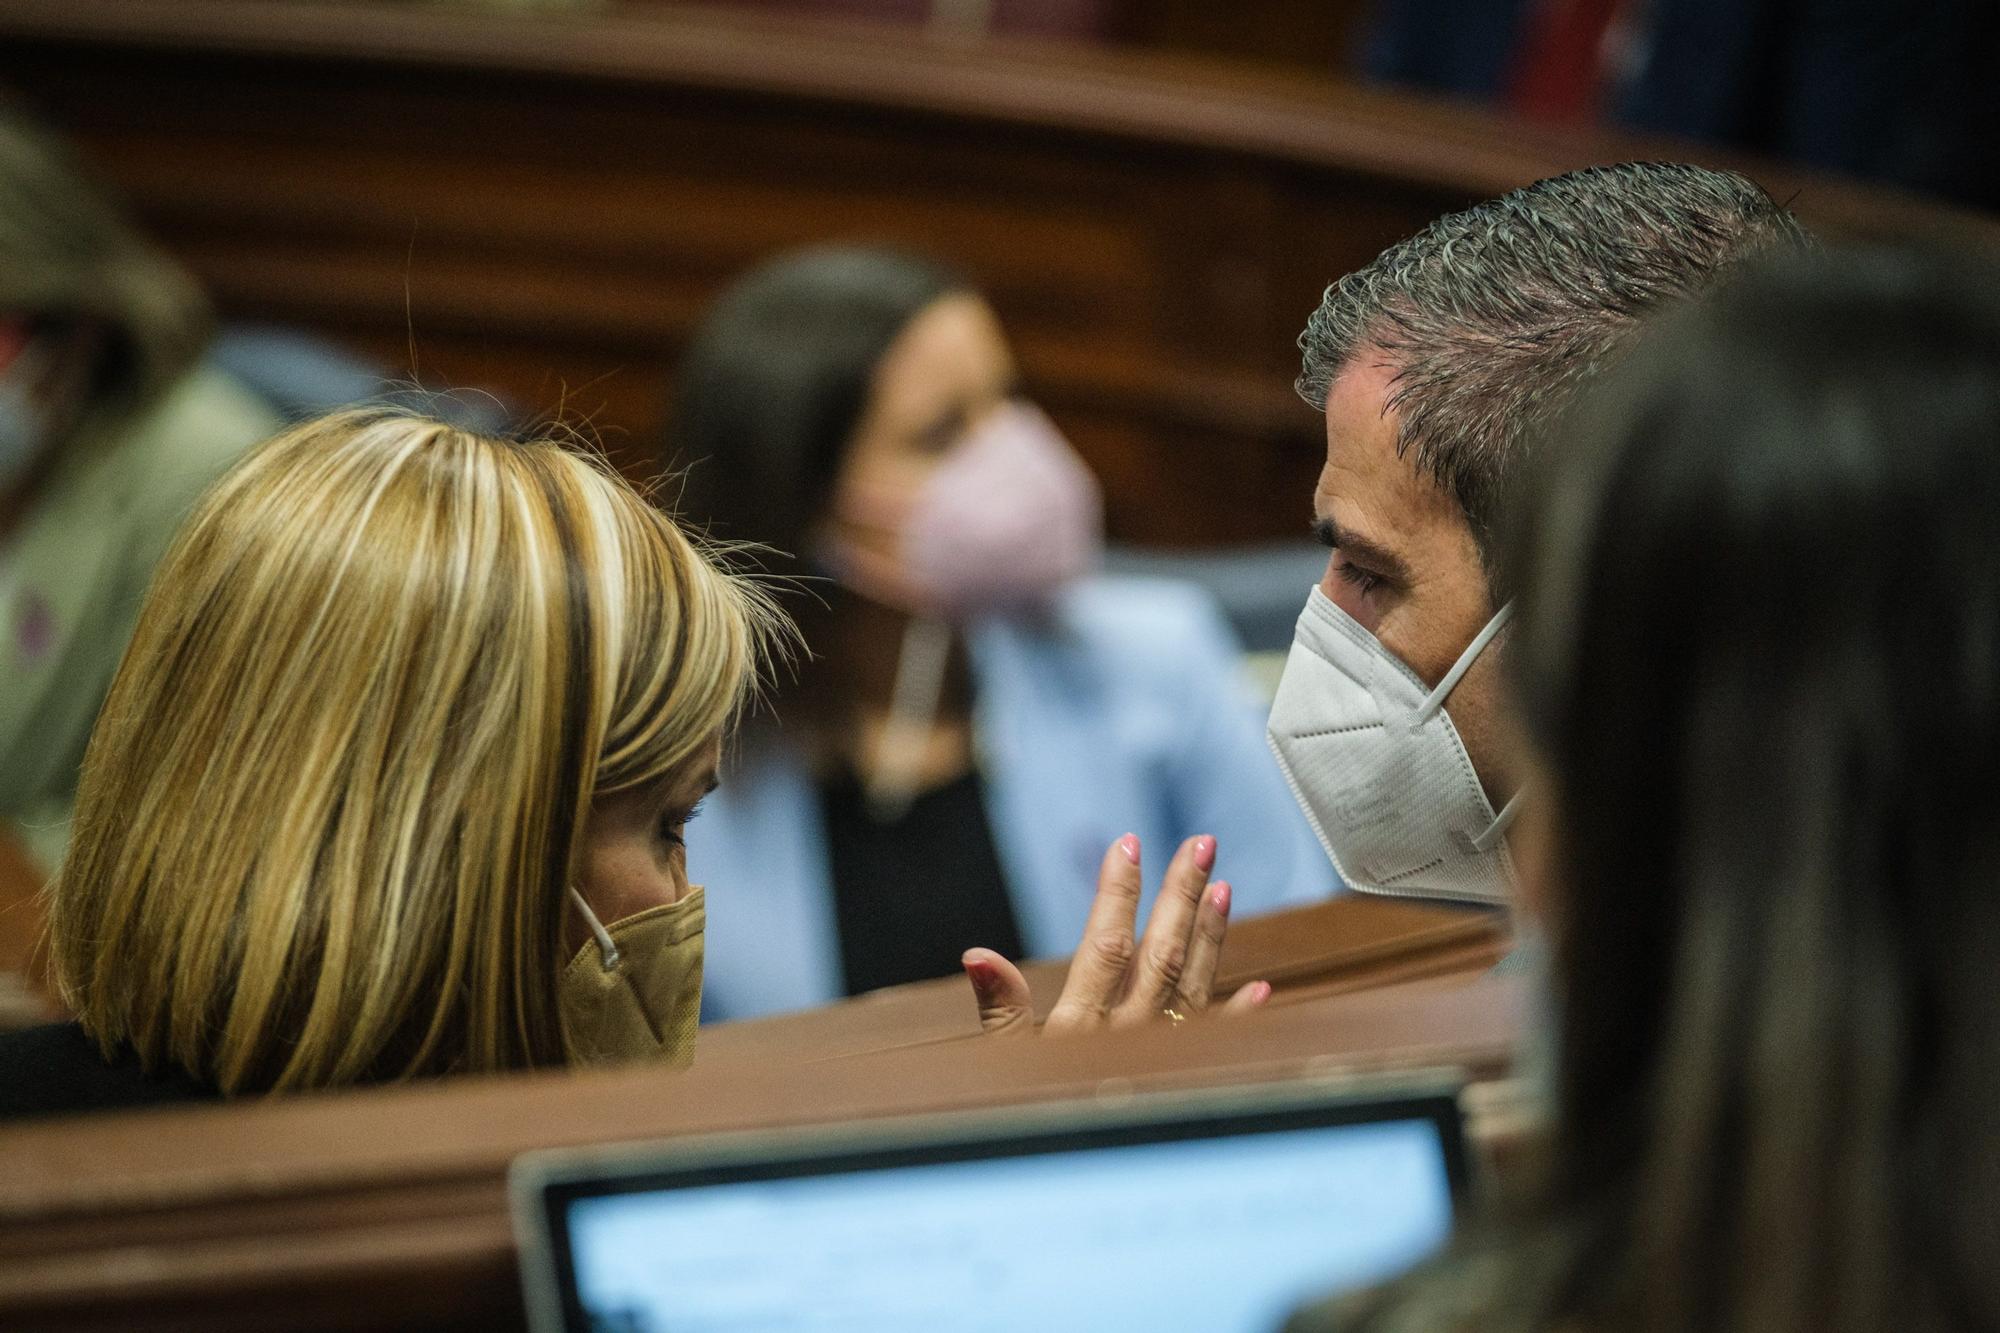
[[1173, 1015]]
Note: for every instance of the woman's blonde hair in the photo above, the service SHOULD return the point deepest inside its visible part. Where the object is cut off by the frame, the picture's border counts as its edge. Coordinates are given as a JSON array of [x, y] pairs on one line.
[[331, 809]]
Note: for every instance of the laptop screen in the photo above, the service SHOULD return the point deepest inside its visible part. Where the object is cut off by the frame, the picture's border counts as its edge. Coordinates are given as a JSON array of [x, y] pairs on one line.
[[1219, 1224]]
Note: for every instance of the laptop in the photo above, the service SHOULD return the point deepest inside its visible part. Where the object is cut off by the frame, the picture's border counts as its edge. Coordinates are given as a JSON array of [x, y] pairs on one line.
[[1221, 1210]]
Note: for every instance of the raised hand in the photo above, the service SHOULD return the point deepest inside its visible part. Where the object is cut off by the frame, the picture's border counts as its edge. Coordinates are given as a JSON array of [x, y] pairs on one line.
[[1115, 979]]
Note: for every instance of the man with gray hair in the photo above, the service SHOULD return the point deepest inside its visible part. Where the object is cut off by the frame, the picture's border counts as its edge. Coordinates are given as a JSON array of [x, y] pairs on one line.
[[1439, 368]]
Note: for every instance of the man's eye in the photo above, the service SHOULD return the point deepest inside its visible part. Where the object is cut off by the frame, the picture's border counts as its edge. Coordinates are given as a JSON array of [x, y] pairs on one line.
[[1361, 580]]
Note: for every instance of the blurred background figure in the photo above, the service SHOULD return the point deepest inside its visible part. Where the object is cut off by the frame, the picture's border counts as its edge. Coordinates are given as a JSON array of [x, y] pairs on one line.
[[120, 399], [982, 712], [111, 423]]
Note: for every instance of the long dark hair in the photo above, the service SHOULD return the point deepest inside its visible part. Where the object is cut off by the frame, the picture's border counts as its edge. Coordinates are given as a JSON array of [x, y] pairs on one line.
[[1758, 651], [775, 383]]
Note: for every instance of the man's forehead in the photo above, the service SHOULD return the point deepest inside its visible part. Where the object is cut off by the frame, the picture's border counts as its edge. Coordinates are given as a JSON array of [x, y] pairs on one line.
[[1360, 418], [1365, 471]]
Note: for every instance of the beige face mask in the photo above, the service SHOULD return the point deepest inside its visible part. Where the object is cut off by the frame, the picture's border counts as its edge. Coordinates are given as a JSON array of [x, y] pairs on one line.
[[634, 992]]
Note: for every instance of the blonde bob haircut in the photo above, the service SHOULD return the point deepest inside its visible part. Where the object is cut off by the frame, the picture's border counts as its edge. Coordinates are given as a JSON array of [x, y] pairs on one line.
[[329, 814]]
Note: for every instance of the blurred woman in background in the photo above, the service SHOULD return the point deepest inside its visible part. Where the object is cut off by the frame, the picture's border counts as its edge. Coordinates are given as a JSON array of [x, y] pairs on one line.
[[981, 713], [110, 426], [1758, 649]]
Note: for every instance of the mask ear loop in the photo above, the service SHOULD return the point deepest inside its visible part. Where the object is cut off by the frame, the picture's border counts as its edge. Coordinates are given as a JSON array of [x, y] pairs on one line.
[[1434, 701], [1428, 709], [1497, 830], [607, 949]]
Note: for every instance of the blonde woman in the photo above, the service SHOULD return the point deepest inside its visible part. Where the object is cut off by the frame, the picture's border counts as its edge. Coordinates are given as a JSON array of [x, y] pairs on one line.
[[393, 779]]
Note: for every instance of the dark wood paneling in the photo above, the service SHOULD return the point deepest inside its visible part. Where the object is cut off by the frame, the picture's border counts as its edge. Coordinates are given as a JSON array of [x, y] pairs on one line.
[[1323, 36], [546, 205]]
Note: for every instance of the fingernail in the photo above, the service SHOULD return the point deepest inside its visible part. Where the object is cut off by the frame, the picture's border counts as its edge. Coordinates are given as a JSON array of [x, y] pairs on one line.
[[1260, 991], [1129, 844], [1204, 853], [980, 971], [1218, 894]]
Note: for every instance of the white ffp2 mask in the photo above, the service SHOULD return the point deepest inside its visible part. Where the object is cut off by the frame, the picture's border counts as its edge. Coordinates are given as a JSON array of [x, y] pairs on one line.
[[1379, 769]]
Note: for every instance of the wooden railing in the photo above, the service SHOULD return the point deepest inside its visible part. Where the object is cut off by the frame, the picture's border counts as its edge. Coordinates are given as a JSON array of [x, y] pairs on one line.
[[386, 1208]]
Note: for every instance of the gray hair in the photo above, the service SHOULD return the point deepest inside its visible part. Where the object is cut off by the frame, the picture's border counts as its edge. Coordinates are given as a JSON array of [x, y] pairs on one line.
[[1491, 318]]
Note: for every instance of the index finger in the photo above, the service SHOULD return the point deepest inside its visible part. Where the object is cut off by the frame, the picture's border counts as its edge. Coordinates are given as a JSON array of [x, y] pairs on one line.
[[1104, 955]]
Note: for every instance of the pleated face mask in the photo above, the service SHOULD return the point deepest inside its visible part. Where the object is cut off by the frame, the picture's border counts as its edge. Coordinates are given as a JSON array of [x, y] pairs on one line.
[[1009, 516], [633, 993], [1379, 769]]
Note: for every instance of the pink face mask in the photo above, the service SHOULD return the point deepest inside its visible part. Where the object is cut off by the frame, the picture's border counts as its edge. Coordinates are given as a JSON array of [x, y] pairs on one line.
[[1009, 516]]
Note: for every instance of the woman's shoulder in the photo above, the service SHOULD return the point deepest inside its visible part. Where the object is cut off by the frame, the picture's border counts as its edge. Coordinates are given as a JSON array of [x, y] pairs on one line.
[[57, 1069]]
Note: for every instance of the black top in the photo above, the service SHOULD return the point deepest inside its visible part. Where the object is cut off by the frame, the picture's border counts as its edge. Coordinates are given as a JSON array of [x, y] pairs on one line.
[[913, 894], [57, 1070]]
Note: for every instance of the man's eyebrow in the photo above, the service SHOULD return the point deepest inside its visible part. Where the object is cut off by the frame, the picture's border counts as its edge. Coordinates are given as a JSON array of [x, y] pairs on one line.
[[1378, 558]]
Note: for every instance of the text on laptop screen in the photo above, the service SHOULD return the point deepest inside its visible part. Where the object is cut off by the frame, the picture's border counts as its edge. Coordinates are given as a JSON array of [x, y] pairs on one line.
[[1219, 1234]]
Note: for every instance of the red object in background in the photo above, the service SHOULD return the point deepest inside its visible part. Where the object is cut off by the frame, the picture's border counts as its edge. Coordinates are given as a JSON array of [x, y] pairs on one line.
[[14, 333], [1558, 71]]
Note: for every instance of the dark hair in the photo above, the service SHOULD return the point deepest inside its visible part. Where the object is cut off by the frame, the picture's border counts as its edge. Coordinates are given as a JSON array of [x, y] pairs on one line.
[[1758, 648], [777, 379], [1493, 316]]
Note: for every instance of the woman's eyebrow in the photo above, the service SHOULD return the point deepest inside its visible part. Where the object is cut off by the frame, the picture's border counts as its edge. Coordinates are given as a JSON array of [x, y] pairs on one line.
[[695, 792]]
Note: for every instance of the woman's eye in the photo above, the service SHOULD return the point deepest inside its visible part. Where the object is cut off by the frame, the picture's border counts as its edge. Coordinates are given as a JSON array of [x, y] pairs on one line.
[[672, 828]]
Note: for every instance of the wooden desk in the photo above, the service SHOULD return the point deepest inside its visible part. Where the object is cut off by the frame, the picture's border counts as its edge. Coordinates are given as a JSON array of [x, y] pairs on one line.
[[385, 1208], [1352, 944], [546, 205]]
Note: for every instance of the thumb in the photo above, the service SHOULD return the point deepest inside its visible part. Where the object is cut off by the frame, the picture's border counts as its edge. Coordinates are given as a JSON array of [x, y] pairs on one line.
[[1005, 1006]]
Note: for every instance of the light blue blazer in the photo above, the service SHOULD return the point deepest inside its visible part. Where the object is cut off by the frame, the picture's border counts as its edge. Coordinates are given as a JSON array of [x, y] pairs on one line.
[[1120, 709]]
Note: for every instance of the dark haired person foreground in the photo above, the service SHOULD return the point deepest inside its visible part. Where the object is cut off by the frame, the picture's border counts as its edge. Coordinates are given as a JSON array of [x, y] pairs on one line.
[[982, 710], [1758, 655]]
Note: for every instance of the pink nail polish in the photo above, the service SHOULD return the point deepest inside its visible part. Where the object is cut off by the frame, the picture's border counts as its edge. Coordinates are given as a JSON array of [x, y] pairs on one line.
[[1260, 991], [1219, 895], [1129, 844], [1204, 853], [981, 972]]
